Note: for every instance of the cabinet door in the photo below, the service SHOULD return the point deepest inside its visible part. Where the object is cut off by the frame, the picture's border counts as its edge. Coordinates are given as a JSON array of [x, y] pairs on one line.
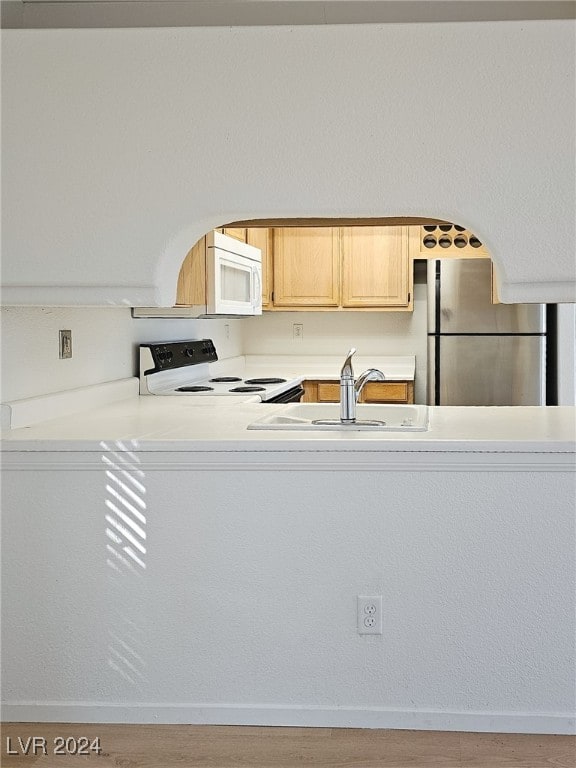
[[316, 391], [375, 267], [328, 392], [262, 238], [306, 267], [388, 392]]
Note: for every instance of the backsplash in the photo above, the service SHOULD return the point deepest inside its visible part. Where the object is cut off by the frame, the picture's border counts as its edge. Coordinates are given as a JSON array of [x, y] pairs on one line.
[[225, 333], [333, 333], [105, 341], [101, 348], [104, 345]]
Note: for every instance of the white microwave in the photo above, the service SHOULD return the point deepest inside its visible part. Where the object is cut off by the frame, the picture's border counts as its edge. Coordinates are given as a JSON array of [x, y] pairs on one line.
[[233, 276], [233, 282]]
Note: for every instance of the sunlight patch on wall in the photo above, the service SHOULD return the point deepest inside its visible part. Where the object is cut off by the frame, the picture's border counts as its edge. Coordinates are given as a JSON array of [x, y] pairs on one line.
[[126, 551]]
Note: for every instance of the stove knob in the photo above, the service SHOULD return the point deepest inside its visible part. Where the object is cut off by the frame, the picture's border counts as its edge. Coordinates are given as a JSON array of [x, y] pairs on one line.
[[189, 352]]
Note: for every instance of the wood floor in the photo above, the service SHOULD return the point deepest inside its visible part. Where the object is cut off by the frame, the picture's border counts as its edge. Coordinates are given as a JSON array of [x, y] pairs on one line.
[[174, 746]]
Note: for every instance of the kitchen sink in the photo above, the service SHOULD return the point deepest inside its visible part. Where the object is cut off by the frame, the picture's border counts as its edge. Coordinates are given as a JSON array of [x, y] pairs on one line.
[[369, 418]]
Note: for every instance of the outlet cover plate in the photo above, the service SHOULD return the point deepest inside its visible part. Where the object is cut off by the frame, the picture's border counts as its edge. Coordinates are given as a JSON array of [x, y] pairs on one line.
[[369, 616]]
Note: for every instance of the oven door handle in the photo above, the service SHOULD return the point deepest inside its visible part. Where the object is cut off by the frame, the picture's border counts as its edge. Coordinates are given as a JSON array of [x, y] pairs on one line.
[[289, 396]]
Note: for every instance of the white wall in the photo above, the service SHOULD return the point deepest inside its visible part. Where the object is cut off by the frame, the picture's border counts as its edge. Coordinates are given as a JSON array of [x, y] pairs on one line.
[[101, 349], [104, 345], [333, 333], [122, 146], [243, 607]]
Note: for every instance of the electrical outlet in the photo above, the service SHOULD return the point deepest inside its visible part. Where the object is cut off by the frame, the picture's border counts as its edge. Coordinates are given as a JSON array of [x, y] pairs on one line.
[[65, 345], [298, 331], [227, 331], [369, 617]]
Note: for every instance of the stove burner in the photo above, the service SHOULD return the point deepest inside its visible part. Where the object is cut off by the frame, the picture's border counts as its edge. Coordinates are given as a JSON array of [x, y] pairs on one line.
[[195, 389], [223, 379], [265, 381], [247, 389]]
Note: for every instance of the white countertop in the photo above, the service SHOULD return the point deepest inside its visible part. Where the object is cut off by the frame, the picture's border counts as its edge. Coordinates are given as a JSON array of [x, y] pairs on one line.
[[85, 419], [212, 424]]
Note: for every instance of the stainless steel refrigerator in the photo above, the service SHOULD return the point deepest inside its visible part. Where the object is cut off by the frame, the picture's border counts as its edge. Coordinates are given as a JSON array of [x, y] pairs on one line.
[[481, 353]]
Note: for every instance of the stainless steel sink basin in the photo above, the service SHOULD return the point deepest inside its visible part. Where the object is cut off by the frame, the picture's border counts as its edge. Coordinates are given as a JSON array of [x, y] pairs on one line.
[[369, 418]]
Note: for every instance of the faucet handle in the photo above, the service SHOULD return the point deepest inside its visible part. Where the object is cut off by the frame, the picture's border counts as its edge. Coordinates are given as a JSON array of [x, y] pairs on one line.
[[347, 370]]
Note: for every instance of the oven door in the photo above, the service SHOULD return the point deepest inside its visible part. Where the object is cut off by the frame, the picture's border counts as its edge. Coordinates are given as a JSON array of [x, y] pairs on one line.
[[234, 282]]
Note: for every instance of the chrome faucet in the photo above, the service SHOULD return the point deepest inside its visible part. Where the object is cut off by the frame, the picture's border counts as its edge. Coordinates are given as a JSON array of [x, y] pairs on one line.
[[350, 388]]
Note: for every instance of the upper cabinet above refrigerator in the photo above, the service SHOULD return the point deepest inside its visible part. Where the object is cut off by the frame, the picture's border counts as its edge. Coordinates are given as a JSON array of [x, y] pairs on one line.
[[442, 241]]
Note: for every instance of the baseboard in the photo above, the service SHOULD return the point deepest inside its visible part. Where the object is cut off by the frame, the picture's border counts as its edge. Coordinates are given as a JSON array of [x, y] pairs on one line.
[[302, 716]]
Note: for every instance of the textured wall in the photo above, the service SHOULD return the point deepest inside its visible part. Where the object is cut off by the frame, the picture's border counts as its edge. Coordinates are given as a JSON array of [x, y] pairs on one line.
[[243, 605], [101, 349], [122, 146], [104, 345]]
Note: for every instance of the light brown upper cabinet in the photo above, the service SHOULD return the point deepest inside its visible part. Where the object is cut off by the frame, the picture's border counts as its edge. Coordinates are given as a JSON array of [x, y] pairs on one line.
[[261, 237], [306, 267], [495, 294], [445, 241], [375, 267], [342, 268], [236, 232], [319, 268], [192, 278]]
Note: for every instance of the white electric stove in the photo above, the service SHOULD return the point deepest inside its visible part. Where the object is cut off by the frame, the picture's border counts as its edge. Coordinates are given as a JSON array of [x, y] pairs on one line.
[[182, 368]]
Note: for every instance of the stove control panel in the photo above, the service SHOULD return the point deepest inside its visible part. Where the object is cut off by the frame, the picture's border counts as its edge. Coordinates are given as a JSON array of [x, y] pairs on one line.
[[162, 356]]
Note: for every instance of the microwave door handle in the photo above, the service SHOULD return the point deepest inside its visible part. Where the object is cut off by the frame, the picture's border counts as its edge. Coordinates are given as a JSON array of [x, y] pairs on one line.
[[257, 289]]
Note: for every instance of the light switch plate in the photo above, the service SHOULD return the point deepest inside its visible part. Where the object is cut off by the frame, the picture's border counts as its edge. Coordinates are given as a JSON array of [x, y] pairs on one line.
[[65, 344]]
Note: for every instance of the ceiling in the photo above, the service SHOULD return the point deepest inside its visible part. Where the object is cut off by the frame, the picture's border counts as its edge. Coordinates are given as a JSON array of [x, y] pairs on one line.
[[46, 14]]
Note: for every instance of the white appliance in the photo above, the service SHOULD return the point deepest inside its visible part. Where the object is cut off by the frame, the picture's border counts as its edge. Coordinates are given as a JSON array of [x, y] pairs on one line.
[[233, 276], [182, 368], [233, 282]]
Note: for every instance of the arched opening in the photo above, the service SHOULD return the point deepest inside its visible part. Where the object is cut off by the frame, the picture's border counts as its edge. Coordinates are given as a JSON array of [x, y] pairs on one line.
[[417, 238], [414, 287]]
